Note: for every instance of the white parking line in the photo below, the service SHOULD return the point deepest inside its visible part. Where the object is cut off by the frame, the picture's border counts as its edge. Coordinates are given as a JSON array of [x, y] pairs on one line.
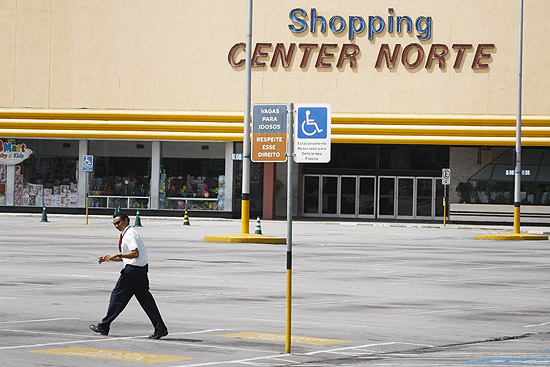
[[279, 356], [348, 348], [90, 340], [39, 320], [535, 325], [243, 361]]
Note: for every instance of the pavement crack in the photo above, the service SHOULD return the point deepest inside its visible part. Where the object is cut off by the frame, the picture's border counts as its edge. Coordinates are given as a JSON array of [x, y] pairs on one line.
[[454, 345], [373, 356]]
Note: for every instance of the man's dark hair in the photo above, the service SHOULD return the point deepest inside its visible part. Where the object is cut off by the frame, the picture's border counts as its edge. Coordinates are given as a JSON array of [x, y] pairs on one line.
[[122, 216]]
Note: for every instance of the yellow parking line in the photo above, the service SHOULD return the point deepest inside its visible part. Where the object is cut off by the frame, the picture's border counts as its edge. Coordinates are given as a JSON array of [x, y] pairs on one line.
[[118, 355], [282, 338]]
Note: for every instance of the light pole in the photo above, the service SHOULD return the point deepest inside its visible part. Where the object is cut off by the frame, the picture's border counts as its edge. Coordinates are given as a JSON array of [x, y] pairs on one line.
[[245, 208], [517, 157]]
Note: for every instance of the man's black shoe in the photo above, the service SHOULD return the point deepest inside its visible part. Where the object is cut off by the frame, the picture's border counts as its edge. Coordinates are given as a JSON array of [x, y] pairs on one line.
[[98, 330], [158, 334]]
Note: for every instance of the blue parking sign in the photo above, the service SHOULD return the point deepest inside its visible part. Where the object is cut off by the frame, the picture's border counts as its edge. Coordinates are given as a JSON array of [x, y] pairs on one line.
[[312, 132], [88, 163], [312, 122]]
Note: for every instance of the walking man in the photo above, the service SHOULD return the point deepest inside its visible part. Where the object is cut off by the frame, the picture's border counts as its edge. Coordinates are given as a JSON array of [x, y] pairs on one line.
[[133, 279]]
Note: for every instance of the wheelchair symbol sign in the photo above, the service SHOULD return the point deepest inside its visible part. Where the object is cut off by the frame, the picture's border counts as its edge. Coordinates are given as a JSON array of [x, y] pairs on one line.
[[312, 123], [312, 131], [88, 163]]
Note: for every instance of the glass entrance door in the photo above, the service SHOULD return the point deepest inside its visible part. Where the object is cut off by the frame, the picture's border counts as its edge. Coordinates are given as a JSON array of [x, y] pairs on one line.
[[372, 197], [405, 197], [348, 196], [367, 195], [424, 197], [329, 195], [386, 197], [311, 195]]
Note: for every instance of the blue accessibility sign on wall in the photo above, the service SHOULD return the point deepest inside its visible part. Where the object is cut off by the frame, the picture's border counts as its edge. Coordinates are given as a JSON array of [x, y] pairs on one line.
[[88, 163]]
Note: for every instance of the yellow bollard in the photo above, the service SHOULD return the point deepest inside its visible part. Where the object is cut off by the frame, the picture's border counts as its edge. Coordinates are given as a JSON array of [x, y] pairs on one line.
[[186, 219]]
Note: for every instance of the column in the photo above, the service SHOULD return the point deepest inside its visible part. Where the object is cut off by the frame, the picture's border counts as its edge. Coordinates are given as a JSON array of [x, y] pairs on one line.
[[155, 175], [228, 204], [82, 176]]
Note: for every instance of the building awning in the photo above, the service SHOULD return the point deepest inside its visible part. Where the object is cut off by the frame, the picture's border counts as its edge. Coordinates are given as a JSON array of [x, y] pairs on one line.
[[457, 130]]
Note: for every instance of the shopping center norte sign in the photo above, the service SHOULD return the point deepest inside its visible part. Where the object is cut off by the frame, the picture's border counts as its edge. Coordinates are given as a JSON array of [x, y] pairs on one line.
[[326, 55]]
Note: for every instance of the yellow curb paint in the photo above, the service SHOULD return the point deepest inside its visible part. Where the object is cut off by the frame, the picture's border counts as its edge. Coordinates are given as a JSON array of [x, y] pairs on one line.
[[282, 338], [245, 238], [117, 355], [512, 237]]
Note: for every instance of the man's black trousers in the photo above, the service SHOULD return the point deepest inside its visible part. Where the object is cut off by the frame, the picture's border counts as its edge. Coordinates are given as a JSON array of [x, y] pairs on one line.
[[133, 280]]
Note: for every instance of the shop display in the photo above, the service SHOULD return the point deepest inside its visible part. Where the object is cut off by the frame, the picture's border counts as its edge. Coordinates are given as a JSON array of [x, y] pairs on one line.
[[120, 186], [30, 194], [221, 192], [123, 192], [190, 193], [3, 172], [50, 177]]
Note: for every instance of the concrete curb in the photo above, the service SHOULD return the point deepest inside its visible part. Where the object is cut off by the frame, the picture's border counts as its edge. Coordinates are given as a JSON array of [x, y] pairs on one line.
[[246, 238], [511, 237]]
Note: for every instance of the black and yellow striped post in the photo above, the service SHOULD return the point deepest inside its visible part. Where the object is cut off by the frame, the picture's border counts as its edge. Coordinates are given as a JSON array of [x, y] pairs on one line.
[[186, 219], [289, 211]]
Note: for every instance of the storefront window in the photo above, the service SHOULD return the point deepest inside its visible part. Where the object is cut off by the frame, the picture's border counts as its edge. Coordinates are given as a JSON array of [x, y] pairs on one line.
[[49, 177], [192, 176], [3, 172], [122, 174]]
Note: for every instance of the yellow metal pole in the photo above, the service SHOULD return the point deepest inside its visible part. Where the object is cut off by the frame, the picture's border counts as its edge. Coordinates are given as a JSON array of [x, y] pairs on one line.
[[288, 309], [516, 219], [444, 212], [86, 209], [245, 216]]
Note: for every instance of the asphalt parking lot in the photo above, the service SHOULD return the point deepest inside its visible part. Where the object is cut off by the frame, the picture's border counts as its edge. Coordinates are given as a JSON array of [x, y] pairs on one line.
[[363, 295]]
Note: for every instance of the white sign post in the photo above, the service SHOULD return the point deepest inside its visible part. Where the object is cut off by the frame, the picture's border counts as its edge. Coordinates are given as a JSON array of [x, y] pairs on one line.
[[308, 142], [312, 133], [446, 176], [446, 181], [88, 167]]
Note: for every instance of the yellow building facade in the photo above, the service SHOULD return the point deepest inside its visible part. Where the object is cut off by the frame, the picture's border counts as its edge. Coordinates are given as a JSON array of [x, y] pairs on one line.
[[155, 92]]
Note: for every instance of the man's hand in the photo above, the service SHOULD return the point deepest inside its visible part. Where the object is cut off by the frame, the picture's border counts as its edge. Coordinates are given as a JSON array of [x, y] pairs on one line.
[[106, 258]]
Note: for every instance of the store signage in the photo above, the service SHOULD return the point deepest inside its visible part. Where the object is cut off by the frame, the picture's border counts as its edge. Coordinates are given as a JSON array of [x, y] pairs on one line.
[[11, 153], [312, 133], [356, 27], [269, 131], [524, 172]]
